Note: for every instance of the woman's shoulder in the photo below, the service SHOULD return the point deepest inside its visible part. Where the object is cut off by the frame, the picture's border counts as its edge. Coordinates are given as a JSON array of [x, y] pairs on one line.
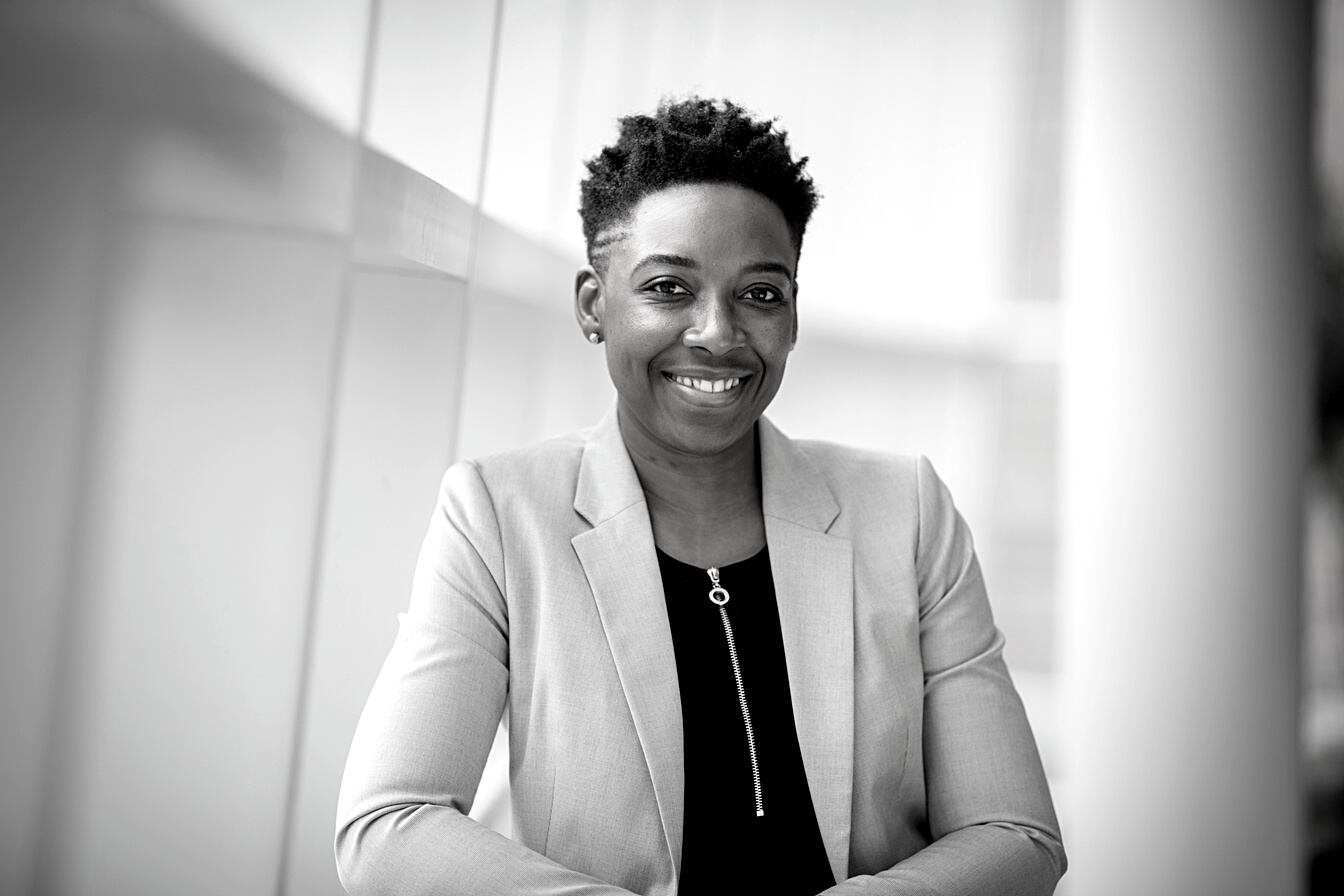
[[866, 474], [543, 473], [539, 458], [530, 486], [847, 462]]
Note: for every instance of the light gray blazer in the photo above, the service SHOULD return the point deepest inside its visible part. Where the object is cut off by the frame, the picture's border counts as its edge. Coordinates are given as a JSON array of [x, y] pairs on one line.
[[538, 591]]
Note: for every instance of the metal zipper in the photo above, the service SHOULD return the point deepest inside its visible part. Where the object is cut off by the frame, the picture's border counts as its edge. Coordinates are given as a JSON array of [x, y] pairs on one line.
[[718, 595]]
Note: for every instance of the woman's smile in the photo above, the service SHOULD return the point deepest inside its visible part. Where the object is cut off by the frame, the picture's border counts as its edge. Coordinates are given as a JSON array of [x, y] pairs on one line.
[[708, 394], [705, 385]]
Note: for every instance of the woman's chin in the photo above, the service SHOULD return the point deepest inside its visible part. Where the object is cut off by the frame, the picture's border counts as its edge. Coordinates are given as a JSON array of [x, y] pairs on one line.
[[690, 427]]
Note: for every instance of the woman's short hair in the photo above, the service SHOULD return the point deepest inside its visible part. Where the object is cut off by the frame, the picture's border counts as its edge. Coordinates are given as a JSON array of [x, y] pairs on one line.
[[694, 140]]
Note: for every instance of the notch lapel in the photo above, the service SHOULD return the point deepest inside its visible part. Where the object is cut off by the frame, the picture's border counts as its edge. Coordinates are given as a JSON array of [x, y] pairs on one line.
[[814, 585], [618, 558]]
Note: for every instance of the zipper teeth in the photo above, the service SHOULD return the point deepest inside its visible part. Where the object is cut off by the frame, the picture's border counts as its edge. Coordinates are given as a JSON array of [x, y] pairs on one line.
[[746, 713]]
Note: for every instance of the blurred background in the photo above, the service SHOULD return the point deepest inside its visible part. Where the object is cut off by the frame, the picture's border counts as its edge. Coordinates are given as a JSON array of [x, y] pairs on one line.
[[268, 266]]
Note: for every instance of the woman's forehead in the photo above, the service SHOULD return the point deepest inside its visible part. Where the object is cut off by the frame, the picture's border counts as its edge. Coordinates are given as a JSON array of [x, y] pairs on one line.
[[708, 224]]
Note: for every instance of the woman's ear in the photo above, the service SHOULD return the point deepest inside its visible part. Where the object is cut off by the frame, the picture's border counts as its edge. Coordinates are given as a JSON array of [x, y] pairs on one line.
[[588, 301]]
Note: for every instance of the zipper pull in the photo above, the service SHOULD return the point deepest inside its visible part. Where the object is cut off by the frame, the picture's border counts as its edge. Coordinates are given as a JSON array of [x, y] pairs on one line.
[[718, 595]]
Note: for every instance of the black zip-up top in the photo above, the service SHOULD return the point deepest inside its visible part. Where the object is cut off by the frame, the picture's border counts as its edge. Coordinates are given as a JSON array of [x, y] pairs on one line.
[[749, 821]]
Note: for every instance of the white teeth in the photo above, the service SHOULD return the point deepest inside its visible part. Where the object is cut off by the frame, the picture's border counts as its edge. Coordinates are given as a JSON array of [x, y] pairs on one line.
[[708, 385]]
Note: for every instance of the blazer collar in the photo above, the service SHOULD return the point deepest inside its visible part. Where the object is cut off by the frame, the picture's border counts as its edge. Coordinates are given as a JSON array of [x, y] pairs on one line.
[[814, 587], [621, 566], [608, 483], [792, 486]]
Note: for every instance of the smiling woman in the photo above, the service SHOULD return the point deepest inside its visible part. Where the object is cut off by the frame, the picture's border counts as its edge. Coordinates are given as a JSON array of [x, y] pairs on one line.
[[698, 295], [697, 309], [730, 661]]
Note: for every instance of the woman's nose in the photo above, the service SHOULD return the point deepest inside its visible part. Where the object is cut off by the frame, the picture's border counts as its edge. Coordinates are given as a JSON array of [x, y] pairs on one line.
[[715, 326]]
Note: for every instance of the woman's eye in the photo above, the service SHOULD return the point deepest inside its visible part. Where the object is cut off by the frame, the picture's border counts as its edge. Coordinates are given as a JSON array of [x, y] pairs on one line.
[[763, 294], [668, 288]]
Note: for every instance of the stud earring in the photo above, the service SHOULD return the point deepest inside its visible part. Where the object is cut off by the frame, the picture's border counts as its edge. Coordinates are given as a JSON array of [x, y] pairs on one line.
[[594, 338]]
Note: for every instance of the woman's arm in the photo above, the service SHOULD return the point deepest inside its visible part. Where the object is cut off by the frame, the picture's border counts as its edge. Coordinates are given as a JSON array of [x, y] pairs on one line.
[[989, 807], [422, 741]]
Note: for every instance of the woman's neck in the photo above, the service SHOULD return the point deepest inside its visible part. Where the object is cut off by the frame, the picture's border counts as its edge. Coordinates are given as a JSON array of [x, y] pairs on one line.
[[705, 511]]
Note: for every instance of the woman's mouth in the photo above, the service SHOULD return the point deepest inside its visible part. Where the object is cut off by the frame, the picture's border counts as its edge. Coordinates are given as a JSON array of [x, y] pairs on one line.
[[702, 385]]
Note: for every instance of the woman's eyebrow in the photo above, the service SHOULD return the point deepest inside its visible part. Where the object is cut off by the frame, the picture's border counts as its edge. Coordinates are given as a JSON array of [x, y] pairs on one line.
[[680, 261], [767, 267]]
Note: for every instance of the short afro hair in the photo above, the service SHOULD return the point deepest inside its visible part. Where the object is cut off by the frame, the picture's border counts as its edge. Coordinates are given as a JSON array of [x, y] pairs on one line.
[[695, 140]]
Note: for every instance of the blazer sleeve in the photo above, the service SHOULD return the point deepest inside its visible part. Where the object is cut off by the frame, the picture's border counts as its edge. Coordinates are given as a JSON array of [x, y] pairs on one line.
[[425, 733], [989, 810]]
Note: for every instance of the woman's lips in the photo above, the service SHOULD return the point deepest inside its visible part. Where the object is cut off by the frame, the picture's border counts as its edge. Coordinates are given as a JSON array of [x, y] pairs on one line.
[[699, 384], [709, 392]]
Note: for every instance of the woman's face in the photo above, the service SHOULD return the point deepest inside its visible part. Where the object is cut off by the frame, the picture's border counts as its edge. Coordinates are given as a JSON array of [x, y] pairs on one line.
[[697, 309]]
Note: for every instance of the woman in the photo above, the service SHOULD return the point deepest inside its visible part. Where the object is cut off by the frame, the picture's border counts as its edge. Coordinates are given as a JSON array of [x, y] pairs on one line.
[[730, 661]]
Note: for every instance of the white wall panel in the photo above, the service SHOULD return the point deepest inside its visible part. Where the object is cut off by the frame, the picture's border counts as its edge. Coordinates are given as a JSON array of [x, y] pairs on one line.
[[430, 85], [52, 169], [313, 50], [202, 524], [405, 220], [393, 438], [513, 266], [190, 132], [532, 163], [530, 375]]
